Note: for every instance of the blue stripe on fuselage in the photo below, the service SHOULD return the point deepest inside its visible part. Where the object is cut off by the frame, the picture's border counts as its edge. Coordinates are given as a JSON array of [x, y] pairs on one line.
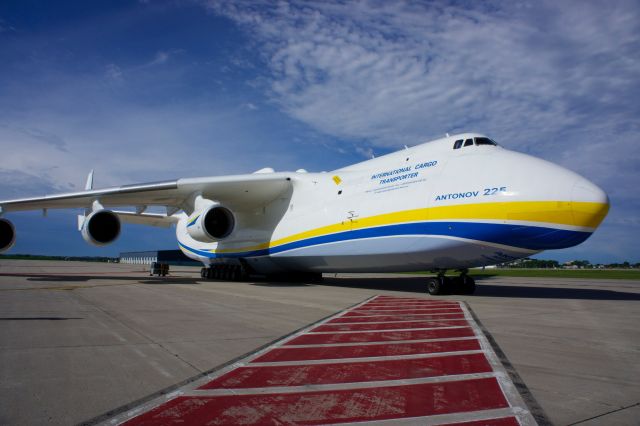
[[520, 236]]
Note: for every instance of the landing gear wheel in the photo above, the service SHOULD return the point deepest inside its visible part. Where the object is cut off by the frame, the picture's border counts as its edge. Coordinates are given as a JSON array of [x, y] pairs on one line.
[[467, 285], [203, 273], [226, 273], [237, 273], [435, 286]]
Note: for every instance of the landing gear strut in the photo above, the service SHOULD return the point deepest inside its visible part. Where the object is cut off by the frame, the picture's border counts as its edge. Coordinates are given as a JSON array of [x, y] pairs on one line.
[[441, 284]]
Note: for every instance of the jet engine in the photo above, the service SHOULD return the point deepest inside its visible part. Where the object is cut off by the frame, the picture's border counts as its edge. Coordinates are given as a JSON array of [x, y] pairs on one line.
[[7, 235], [101, 227], [211, 224]]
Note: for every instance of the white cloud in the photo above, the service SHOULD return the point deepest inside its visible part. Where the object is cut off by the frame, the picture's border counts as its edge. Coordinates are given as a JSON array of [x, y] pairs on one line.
[[162, 57], [397, 73], [113, 73]]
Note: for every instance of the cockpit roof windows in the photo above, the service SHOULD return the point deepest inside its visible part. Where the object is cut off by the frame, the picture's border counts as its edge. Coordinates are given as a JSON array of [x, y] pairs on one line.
[[478, 141]]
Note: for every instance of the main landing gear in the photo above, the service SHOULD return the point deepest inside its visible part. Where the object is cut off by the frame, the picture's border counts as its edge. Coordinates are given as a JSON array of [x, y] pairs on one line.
[[224, 272], [441, 284], [244, 273]]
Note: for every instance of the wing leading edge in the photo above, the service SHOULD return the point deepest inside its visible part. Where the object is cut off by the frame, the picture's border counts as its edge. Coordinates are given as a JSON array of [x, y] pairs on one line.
[[238, 191]]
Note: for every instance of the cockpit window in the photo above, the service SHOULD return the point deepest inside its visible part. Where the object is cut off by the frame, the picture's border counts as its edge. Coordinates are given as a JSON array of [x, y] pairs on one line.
[[484, 141], [468, 142], [458, 144]]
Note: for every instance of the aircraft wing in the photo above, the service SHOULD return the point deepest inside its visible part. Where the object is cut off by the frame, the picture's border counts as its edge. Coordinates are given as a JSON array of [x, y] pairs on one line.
[[236, 191]]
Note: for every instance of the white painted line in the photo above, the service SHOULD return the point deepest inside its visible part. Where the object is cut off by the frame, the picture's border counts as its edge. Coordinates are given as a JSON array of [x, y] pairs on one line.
[[339, 386], [386, 342], [402, 315], [399, 321], [405, 308], [443, 419], [387, 330], [365, 359], [506, 384]]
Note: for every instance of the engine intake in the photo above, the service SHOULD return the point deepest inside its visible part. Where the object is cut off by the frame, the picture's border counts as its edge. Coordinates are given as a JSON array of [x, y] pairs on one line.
[[7, 235], [211, 224], [101, 227]]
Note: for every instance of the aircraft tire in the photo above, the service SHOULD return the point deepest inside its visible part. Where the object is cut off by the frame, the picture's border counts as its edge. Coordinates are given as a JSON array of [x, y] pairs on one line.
[[435, 286], [226, 274], [468, 285], [203, 272]]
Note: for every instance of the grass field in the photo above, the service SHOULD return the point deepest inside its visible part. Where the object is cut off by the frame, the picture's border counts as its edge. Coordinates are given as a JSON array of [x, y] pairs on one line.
[[617, 274]]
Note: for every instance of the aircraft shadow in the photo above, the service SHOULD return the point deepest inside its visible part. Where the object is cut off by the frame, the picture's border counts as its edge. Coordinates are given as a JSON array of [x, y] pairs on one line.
[[85, 278], [401, 284], [39, 318], [281, 284], [418, 285], [533, 292]]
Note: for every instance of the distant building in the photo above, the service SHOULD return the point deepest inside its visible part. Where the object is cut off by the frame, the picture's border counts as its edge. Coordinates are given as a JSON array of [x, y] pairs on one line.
[[172, 257]]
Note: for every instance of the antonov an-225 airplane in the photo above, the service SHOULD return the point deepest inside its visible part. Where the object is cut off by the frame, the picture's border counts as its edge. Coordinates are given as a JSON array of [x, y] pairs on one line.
[[450, 204]]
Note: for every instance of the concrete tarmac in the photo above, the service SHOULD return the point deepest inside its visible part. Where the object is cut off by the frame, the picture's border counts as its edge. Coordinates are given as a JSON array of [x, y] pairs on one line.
[[78, 340]]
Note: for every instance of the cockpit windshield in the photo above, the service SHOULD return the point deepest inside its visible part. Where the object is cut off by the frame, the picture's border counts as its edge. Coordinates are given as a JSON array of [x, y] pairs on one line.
[[475, 141], [485, 141]]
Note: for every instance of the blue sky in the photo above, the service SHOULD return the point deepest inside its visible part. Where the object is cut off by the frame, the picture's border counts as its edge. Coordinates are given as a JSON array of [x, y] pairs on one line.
[[154, 90]]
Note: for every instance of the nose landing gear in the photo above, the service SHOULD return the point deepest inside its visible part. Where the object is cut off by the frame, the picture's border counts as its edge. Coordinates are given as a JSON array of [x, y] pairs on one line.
[[441, 284]]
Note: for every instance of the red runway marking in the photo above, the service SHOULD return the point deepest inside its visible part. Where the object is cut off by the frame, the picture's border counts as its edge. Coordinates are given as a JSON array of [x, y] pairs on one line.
[[289, 353], [349, 405], [389, 326], [350, 372], [380, 336], [390, 318], [367, 361]]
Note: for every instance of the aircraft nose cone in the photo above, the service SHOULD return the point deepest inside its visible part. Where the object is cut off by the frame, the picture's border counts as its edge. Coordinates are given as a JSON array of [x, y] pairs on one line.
[[590, 204]]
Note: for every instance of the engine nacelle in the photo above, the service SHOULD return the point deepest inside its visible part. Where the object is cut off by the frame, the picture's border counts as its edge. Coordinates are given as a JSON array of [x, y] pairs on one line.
[[101, 227], [214, 223], [7, 235]]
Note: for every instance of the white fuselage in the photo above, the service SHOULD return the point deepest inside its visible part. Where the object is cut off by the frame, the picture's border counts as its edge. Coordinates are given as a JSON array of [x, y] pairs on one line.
[[423, 208]]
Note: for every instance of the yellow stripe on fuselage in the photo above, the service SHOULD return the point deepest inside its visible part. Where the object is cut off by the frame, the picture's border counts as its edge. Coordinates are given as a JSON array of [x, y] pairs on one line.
[[573, 213]]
